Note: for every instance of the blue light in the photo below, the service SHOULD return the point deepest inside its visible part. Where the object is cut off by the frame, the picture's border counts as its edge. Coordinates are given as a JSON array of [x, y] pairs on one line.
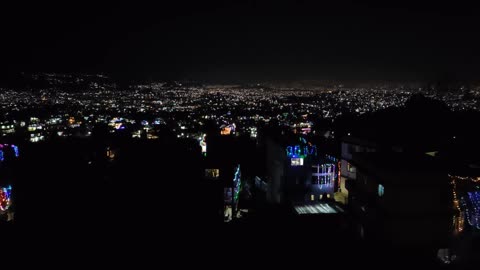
[[381, 190], [296, 151], [15, 149], [289, 151], [1, 155], [311, 150], [237, 184], [5, 198], [473, 209]]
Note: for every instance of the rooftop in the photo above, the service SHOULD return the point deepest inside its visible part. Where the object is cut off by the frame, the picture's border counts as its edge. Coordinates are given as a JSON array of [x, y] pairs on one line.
[[391, 166]]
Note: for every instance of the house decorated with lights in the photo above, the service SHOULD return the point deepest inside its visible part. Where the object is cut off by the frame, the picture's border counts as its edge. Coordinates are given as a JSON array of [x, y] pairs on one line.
[[8, 153]]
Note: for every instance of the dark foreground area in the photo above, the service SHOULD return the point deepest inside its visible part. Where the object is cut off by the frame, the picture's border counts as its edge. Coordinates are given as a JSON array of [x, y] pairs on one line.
[[147, 206]]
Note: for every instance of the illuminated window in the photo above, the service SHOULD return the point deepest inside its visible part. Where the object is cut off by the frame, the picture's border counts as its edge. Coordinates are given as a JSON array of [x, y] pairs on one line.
[[212, 173], [312, 197], [350, 168], [297, 161], [381, 190]]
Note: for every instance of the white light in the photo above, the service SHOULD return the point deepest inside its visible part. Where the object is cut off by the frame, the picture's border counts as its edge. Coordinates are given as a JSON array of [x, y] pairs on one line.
[[319, 208]]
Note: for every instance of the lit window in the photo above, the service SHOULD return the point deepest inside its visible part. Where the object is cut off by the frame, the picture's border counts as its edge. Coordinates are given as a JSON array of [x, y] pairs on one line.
[[212, 173], [350, 168], [297, 161]]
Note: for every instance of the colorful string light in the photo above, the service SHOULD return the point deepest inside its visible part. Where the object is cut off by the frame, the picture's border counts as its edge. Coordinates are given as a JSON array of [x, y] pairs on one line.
[[237, 183], [5, 198], [467, 203], [4, 148], [325, 174], [15, 150], [472, 209], [296, 151]]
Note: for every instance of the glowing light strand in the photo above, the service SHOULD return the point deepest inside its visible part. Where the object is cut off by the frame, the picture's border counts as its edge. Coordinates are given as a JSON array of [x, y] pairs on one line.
[[237, 183], [472, 209], [5, 198], [467, 205], [297, 151], [15, 150], [3, 147]]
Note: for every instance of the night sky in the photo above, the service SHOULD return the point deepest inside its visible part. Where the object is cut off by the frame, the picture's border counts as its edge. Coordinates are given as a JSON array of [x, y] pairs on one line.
[[244, 40]]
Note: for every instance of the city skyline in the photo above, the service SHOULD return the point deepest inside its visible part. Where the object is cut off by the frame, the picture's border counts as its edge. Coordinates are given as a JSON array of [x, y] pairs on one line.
[[332, 134]]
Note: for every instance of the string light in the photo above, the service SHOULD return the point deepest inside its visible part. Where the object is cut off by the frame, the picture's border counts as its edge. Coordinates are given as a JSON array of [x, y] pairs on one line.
[[467, 205], [472, 179], [5, 198], [325, 174], [3, 149], [237, 183], [15, 150], [473, 212], [296, 151], [339, 174]]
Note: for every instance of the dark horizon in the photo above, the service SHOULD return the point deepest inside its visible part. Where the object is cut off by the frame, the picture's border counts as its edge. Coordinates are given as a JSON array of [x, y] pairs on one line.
[[37, 80], [246, 42]]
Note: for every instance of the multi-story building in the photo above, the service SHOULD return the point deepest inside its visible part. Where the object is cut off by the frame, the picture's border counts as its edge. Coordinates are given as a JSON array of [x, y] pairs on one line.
[[8, 154], [222, 172], [401, 198], [296, 171], [348, 169]]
